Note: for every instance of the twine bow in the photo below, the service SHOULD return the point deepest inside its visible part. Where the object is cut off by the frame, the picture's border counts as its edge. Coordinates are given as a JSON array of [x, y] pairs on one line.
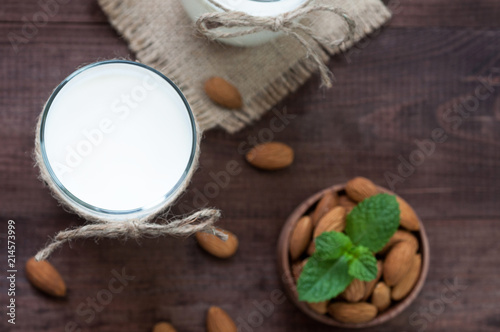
[[209, 25], [102, 227], [200, 221]]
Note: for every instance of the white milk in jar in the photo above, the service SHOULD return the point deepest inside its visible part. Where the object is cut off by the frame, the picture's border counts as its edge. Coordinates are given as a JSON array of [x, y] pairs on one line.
[[118, 139], [195, 8]]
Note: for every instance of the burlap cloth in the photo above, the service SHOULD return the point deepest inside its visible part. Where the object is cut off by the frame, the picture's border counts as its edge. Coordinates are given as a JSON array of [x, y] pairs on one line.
[[162, 36]]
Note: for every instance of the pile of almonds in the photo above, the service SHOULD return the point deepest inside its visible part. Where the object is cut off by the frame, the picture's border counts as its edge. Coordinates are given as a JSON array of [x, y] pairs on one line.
[[399, 262]]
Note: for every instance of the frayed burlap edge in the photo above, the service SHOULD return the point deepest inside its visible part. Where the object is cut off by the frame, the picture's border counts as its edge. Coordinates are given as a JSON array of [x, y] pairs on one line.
[[135, 31]]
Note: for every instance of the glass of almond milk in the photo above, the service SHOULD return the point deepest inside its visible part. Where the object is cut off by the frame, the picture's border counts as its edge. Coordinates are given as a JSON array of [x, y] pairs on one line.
[[118, 139], [271, 8]]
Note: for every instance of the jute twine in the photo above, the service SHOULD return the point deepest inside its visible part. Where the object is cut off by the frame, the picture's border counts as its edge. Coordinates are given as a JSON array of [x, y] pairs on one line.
[[160, 34], [100, 227], [289, 23]]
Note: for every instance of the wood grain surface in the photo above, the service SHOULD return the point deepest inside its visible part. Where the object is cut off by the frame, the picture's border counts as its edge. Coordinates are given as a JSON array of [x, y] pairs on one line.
[[392, 92]]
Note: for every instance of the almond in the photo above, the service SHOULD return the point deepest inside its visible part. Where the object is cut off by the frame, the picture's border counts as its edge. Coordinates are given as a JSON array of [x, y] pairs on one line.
[[44, 276], [297, 269], [355, 291], [326, 203], [405, 285], [409, 219], [301, 237], [311, 249], [219, 321], [347, 203], [334, 220], [398, 262], [217, 247], [223, 93], [164, 327], [271, 156], [352, 312], [370, 285], [400, 236], [360, 188], [381, 297], [320, 307]]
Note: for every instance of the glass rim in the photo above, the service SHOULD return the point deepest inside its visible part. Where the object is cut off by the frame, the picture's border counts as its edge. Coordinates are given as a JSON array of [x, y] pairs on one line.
[[268, 4], [70, 196]]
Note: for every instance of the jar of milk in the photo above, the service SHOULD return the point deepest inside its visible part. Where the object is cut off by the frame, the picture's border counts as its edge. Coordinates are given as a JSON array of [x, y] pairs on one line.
[[117, 141], [261, 8]]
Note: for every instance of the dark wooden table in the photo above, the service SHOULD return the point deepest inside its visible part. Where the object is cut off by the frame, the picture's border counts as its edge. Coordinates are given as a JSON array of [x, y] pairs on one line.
[[392, 91]]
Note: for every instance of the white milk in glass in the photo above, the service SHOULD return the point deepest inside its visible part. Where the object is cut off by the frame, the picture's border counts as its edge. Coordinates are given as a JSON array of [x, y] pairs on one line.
[[118, 138], [195, 8]]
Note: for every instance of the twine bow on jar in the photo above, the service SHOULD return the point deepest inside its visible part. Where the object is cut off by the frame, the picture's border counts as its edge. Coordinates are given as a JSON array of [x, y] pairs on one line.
[[210, 25], [200, 221], [155, 224]]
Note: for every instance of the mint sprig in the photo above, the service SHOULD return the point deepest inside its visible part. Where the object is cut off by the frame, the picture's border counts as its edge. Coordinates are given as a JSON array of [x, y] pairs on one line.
[[332, 245], [373, 221], [340, 258], [315, 282], [363, 265]]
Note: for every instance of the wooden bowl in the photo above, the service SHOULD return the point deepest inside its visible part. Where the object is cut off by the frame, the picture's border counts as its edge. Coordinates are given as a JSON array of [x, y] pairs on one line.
[[289, 282]]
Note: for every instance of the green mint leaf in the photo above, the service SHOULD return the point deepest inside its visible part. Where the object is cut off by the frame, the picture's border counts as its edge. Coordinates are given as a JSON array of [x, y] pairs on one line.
[[363, 265], [323, 280], [332, 245], [373, 221]]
